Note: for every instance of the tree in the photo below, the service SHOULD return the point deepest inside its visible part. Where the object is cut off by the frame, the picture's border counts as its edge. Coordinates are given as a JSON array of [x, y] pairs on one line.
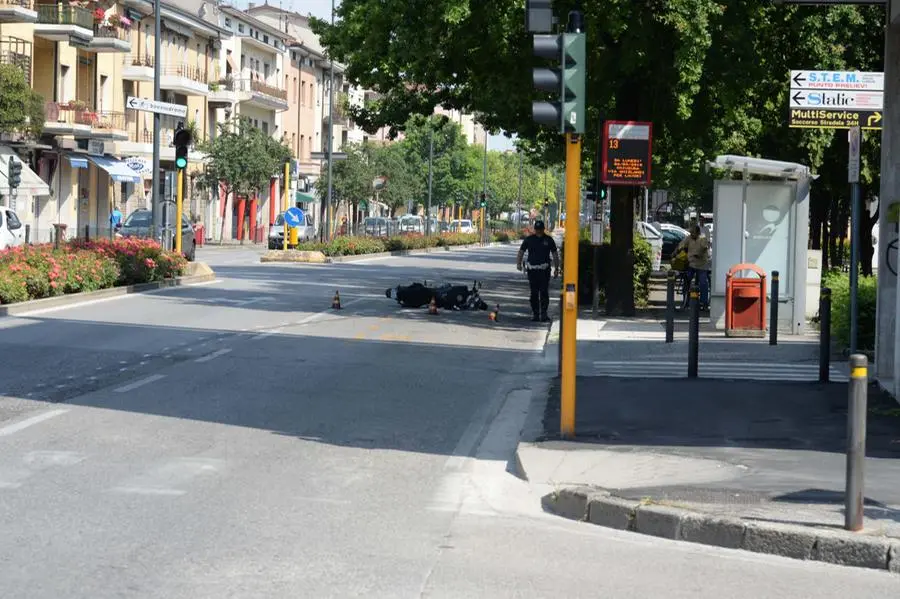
[[242, 159], [403, 182], [21, 108], [352, 178]]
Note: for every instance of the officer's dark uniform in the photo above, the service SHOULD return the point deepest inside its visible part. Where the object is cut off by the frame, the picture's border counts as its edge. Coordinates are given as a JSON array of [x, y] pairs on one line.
[[540, 250]]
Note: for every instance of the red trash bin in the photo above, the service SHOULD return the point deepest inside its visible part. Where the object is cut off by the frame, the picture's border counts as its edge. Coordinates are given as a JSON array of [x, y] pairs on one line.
[[199, 234], [745, 302]]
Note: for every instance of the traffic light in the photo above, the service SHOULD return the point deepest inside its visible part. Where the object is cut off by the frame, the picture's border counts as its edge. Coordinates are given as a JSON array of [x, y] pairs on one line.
[[14, 172], [567, 112], [483, 201], [182, 141]]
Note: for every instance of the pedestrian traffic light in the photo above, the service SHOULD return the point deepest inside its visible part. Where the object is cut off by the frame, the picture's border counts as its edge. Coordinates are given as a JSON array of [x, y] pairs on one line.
[[14, 172], [182, 141], [567, 112]]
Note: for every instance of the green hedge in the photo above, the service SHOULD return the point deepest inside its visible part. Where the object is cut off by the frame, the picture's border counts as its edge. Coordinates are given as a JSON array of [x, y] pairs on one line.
[[354, 246], [839, 283], [643, 265]]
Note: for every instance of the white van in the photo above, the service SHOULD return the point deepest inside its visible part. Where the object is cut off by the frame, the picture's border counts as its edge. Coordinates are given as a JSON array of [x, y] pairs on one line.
[[462, 226], [412, 224], [12, 231]]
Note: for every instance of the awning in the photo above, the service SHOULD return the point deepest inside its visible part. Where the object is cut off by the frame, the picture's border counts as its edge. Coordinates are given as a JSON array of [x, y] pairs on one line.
[[76, 161], [304, 197], [31, 183], [118, 170]]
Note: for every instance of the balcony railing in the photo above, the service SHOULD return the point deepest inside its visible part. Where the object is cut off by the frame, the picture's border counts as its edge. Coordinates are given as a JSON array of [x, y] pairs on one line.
[[139, 133], [16, 52], [109, 32], [71, 113], [269, 90], [193, 73], [57, 14], [108, 121], [28, 4]]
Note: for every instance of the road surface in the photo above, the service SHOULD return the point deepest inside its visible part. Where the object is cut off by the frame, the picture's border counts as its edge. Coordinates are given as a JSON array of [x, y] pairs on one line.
[[241, 439]]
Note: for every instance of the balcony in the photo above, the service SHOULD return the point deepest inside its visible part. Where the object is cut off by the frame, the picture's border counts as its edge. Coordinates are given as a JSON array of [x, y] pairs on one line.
[[183, 79], [17, 11], [223, 93], [107, 125], [16, 52], [69, 118], [62, 23], [258, 93], [109, 38], [140, 135]]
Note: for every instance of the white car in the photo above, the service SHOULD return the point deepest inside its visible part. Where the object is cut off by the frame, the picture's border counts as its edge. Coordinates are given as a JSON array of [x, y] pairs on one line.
[[276, 232], [12, 231], [462, 226], [671, 227]]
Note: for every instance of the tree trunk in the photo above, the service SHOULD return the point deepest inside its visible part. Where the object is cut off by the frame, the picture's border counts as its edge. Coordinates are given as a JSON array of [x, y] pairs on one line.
[[224, 212], [620, 283]]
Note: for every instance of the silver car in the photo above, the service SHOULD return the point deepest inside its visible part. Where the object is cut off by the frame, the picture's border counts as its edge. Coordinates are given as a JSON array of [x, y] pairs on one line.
[[276, 232], [138, 225]]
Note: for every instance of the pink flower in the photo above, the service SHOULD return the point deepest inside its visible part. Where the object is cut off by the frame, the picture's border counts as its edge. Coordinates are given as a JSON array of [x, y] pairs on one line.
[[150, 263], [54, 284]]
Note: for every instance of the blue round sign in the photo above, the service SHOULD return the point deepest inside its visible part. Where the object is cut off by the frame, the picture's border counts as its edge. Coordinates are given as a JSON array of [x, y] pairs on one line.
[[293, 216]]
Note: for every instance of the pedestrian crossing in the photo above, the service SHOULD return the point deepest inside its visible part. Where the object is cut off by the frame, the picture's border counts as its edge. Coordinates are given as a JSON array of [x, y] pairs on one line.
[[750, 371]]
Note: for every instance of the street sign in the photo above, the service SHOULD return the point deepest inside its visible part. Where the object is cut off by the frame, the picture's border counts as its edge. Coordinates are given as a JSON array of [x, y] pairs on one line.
[[179, 110], [324, 155], [850, 80], [293, 216], [854, 100], [835, 99], [815, 118], [853, 137], [626, 153]]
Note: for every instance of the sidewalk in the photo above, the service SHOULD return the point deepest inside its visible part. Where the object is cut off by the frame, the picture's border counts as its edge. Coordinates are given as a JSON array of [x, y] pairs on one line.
[[751, 464]]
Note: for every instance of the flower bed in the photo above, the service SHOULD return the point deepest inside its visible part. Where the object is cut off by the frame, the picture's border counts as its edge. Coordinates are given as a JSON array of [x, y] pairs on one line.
[[35, 272]]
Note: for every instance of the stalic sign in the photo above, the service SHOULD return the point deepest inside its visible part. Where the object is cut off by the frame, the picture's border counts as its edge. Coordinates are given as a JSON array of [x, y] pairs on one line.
[[626, 158]]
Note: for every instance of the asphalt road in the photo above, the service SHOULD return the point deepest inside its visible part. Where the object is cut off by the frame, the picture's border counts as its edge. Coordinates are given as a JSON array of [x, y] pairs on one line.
[[241, 439]]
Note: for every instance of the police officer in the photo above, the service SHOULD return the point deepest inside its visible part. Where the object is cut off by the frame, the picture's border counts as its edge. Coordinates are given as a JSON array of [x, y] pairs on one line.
[[540, 248]]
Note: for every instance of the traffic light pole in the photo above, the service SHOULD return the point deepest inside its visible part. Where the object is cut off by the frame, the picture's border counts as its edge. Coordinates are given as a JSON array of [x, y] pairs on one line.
[[179, 206], [284, 202], [570, 281]]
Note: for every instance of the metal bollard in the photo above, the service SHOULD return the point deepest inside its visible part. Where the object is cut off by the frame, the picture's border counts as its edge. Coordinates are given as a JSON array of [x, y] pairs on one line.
[[854, 494], [670, 307], [87, 232], [28, 234], [773, 311], [824, 334], [694, 333]]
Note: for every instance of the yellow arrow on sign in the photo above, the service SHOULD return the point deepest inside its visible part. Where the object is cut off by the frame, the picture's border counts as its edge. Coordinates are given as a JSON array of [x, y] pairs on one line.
[[873, 119]]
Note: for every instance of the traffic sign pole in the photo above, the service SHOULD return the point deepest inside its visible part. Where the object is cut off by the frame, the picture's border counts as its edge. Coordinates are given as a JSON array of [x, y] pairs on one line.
[[284, 201], [155, 199], [855, 139]]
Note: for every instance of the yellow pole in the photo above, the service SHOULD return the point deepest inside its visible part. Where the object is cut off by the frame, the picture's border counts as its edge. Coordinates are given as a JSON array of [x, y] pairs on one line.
[[570, 281], [179, 206], [284, 203]]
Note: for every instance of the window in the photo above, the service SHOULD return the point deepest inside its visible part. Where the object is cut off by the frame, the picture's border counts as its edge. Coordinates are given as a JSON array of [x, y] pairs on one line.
[[240, 28], [228, 23], [12, 221], [302, 93], [265, 127], [266, 39]]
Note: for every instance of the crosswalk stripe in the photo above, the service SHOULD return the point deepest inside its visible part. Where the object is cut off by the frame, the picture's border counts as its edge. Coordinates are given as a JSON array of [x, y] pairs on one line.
[[716, 370]]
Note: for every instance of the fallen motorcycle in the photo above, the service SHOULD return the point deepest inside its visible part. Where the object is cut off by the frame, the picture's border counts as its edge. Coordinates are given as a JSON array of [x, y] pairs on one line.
[[446, 296]]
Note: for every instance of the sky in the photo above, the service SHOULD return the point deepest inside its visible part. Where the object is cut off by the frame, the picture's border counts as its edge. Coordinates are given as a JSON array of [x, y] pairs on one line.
[[322, 9]]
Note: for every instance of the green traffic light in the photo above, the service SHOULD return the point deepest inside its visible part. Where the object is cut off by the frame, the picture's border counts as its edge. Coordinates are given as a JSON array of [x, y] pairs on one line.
[[181, 162]]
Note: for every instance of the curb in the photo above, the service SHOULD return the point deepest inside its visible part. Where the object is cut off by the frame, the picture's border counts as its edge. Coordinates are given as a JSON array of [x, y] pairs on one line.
[[339, 259], [77, 298], [799, 542]]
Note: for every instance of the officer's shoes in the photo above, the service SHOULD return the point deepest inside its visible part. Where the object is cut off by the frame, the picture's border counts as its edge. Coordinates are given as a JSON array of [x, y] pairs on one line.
[[545, 318]]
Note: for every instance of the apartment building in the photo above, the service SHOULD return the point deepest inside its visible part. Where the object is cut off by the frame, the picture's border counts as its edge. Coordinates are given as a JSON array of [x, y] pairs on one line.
[[252, 85], [85, 58]]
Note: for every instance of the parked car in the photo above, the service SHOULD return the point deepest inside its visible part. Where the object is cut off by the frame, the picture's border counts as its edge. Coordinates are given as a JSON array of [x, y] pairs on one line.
[[276, 232], [412, 224], [663, 227], [462, 226], [377, 226], [138, 225], [655, 238], [671, 239], [12, 231]]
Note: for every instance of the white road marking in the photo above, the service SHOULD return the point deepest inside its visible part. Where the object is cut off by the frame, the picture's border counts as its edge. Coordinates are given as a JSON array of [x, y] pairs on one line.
[[140, 383], [213, 356], [304, 321], [31, 313], [23, 424], [144, 491]]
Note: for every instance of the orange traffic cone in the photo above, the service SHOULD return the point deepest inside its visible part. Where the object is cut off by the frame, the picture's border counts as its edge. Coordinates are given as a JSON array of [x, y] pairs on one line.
[[336, 302], [495, 314], [432, 307]]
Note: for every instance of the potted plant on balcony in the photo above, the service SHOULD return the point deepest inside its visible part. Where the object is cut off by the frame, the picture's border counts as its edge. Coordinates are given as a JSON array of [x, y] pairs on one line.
[[124, 23]]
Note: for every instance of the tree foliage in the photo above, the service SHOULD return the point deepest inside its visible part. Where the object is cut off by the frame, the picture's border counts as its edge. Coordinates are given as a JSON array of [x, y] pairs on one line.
[[242, 159], [711, 75], [21, 108]]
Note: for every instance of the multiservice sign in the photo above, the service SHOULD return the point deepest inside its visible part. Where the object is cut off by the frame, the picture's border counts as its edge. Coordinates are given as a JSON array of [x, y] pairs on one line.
[[626, 156]]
